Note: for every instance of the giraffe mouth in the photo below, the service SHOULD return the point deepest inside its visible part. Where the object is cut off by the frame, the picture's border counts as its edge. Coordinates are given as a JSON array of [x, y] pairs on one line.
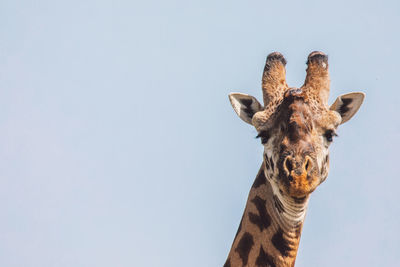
[[299, 187]]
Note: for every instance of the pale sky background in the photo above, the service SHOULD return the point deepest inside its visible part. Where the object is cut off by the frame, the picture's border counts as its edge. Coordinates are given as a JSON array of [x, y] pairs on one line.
[[118, 145]]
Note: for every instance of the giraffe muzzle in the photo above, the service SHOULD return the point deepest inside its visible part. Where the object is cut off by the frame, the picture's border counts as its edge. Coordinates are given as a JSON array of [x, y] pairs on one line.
[[299, 175]]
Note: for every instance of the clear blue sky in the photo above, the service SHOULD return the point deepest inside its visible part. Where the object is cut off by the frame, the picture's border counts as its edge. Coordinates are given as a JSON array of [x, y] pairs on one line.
[[118, 145]]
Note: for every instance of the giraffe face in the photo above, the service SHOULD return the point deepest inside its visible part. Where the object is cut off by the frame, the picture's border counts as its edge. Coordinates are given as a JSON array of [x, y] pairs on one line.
[[296, 126], [296, 142], [296, 137]]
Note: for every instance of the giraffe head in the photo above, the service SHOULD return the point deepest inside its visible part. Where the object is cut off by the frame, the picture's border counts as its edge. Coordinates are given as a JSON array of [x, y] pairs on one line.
[[296, 125]]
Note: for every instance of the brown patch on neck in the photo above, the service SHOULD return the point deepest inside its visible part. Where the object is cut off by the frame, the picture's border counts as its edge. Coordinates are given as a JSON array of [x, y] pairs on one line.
[[261, 240]]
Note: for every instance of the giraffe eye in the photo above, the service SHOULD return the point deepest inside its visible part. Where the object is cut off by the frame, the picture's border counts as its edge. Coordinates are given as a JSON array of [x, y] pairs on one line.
[[264, 135], [329, 134]]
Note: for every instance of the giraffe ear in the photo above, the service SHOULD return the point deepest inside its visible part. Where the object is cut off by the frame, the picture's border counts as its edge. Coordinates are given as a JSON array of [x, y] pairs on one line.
[[245, 106], [347, 105]]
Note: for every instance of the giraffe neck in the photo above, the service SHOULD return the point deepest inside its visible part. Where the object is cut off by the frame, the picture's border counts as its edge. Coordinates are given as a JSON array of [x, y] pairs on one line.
[[270, 229]]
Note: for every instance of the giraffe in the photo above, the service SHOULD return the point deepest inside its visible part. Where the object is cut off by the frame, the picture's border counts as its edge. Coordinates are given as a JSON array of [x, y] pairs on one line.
[[296, 127]]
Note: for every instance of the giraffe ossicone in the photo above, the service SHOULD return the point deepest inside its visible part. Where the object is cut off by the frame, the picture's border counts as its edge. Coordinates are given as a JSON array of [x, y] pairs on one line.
[[296, 127]]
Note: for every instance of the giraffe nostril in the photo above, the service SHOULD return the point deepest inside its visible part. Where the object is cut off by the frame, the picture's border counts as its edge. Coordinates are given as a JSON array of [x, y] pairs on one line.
[[308, 165], [289, 164]]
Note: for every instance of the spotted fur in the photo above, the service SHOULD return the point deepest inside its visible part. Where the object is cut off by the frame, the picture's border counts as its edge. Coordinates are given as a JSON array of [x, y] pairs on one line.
[[296, 127]]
